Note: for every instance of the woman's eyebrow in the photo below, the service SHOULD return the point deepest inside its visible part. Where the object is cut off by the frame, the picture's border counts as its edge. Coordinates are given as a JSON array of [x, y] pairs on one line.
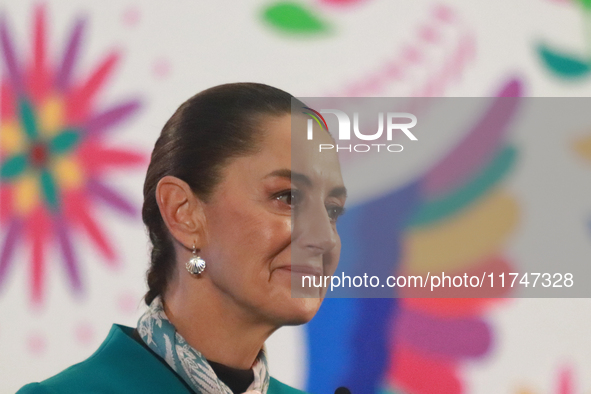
[[339, 192], [293, 176]]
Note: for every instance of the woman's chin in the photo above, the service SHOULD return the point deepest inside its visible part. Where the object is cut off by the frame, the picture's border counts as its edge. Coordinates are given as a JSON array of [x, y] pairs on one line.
[[300, 311], [294, 304]]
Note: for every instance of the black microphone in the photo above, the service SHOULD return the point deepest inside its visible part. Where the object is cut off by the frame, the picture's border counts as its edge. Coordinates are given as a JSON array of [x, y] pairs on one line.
[[342, 390]]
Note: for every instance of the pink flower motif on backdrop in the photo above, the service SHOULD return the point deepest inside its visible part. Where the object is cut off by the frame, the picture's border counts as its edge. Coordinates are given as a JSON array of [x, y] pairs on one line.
[[54, 155]]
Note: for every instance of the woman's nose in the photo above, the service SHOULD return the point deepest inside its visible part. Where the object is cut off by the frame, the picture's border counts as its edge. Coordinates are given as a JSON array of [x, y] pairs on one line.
[[315, 230]]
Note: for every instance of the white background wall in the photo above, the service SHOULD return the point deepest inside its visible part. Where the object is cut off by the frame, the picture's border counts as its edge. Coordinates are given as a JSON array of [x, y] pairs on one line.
[[173, 49]]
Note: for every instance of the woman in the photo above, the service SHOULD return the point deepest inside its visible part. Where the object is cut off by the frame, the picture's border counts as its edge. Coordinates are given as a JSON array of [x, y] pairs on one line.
[[235, 210]]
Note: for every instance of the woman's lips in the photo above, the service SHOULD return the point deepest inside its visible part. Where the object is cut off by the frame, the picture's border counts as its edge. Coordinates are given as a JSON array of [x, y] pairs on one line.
[[303, 270]]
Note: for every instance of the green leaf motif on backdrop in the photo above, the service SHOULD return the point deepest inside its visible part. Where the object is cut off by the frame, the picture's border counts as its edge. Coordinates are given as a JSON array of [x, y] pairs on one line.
[[293, 18], [64, 141], [566, 66], [470, 192], [13, 167], [49, 189], [586, 4]]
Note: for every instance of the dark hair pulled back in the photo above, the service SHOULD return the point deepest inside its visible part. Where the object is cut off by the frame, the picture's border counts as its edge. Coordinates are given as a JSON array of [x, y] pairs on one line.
[[204, 133]]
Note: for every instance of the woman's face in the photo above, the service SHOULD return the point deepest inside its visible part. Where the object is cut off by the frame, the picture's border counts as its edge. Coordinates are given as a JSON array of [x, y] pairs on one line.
[[272, 217]]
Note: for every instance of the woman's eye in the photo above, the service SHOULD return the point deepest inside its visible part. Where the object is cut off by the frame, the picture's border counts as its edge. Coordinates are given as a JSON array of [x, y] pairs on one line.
[[335, 211], [289, 197]]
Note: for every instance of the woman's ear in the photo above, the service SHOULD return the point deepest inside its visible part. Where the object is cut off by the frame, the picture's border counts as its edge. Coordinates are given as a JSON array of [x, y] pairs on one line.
[[181, 211]]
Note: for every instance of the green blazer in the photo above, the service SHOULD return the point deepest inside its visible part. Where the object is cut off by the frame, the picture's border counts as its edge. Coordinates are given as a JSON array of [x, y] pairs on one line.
[[122, 365]]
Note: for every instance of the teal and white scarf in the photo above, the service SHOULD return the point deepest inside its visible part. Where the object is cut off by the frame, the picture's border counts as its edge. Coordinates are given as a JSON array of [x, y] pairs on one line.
[[161, 336]]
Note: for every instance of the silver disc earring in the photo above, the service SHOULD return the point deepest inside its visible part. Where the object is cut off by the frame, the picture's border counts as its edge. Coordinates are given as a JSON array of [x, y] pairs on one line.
[[196, 264]]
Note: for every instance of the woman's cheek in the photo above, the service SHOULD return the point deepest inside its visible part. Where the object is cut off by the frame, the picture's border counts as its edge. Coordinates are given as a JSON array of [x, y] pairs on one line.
[[277, 230]]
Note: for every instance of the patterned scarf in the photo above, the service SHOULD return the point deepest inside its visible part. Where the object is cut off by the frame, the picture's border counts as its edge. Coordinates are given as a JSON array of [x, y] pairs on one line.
[[161, 336]]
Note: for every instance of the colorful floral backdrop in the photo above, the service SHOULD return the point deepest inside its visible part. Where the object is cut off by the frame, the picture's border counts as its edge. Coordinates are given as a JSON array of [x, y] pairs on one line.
[[86, 87]]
